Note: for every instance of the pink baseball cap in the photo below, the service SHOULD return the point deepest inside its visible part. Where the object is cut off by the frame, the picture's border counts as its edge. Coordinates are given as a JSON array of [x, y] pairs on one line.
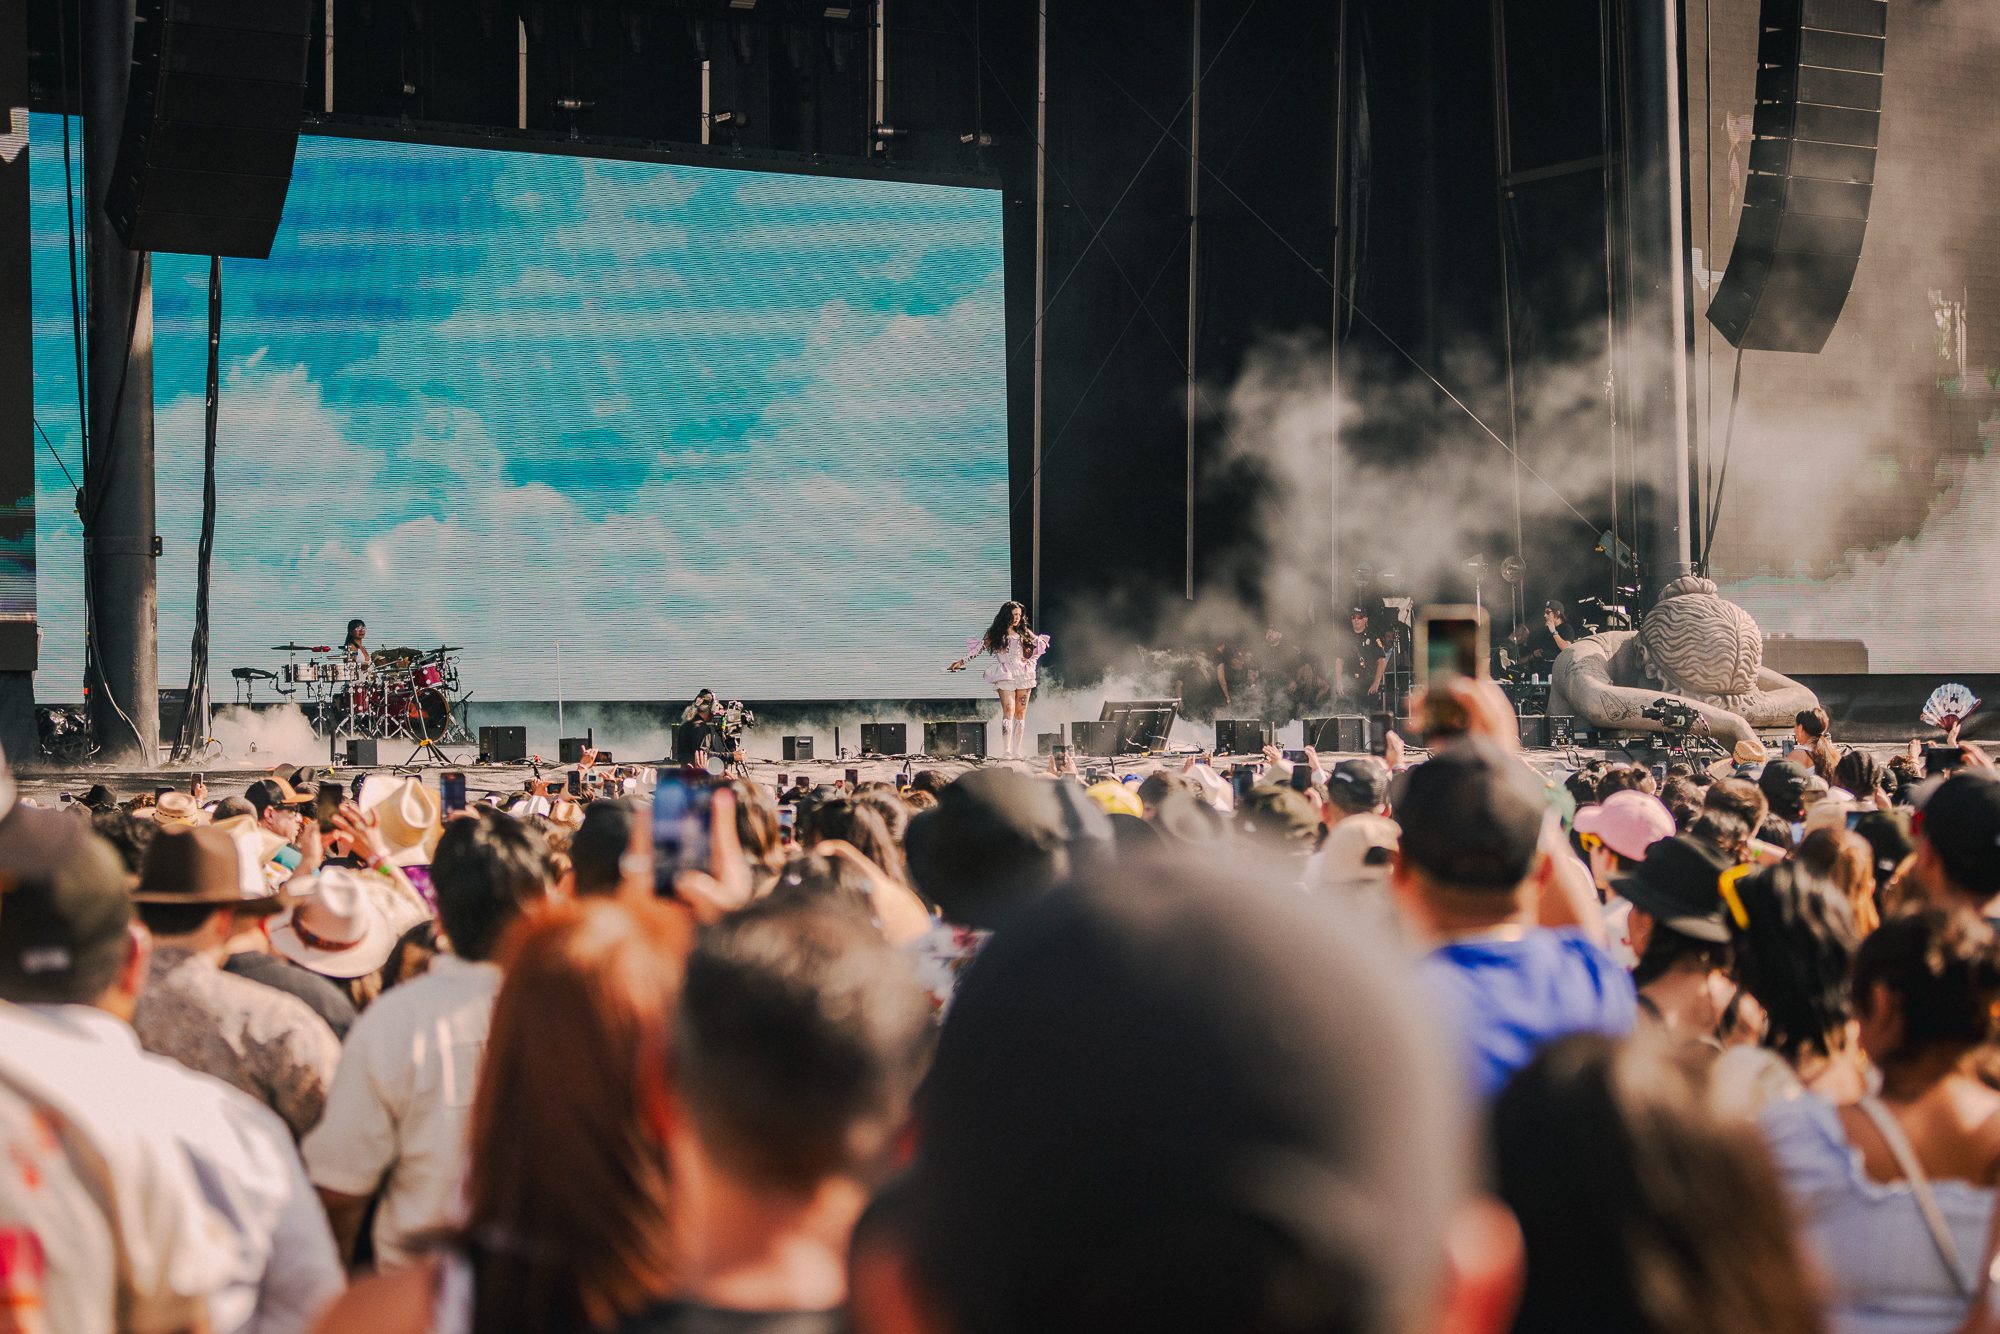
[[1629, 822]]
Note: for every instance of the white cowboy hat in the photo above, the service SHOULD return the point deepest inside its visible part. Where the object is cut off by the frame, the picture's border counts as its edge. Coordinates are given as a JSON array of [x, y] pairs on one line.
[[178, 808], [339, 931], [256, 846], [409, 814]]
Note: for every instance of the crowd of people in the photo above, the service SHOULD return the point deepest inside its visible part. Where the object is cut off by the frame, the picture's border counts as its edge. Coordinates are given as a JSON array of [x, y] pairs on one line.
[[1379, 1045]]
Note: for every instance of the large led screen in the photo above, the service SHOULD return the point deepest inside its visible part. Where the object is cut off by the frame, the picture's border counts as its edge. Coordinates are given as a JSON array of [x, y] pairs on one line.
[[674, 427]]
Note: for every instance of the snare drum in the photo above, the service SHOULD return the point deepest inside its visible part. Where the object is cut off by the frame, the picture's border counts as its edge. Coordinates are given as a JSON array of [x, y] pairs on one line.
[[339, 670], [300, 673], [428, 676]]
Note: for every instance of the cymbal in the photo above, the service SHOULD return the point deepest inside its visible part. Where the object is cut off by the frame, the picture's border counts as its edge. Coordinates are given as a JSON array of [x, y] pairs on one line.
[[448, 648], [293, 648]]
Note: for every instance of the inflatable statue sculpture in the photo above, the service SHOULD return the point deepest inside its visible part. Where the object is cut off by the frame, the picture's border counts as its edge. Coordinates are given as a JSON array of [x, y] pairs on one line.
[[1694, 648]]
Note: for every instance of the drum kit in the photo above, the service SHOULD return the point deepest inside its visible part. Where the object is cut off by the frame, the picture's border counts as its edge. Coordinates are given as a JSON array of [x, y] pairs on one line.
[[399, 692]]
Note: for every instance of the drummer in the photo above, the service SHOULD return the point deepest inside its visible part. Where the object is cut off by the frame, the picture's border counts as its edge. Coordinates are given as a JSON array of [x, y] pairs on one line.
[[355, 647]]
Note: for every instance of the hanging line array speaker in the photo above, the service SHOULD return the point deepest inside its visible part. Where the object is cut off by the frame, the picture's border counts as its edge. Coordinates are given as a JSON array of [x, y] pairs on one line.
[[211, 125], [1812, 174]]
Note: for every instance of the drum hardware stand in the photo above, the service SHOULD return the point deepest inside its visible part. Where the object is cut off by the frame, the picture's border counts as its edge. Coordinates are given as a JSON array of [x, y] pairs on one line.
[[428, 746]]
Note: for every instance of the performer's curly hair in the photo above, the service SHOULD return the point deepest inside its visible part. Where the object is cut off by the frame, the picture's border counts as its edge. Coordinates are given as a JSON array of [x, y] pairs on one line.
[[995, 638]]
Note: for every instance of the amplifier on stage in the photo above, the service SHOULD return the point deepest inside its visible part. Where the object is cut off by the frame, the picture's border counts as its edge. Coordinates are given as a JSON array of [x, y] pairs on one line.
[[569, 750], [965, 739], [1534, 730], [885, 739], [1241, 736], [503, 745], [1346, 734], [1046, 742], [362, 753], [796, 748], [1094, 737]]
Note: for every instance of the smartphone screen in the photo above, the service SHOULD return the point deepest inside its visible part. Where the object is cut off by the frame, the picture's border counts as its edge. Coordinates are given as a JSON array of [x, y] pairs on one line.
[[788, 822], [1297, 757], [1854, 817], [197, 780], [1379, 726], [326, 803], [1451, 641], [1302, 778], [1242, 778], [854, 778], [451, 791], [680, 828], [575, 783]]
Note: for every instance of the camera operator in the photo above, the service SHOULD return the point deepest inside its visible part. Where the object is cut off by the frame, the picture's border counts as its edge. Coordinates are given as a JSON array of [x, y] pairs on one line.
[[710, 728]]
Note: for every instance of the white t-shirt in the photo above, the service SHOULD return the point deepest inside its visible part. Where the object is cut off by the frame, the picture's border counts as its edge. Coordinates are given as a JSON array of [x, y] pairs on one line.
[[397, 1115], [282, 1265], [173, 1250]]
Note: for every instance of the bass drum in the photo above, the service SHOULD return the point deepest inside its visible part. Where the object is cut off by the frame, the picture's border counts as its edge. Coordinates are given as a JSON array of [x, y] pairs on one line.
[[433, 710]]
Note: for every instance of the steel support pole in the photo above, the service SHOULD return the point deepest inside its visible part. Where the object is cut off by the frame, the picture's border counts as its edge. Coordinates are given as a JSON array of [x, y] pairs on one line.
[[1503, 180], [122, 608], [1659, 332], [1193, 274], [1041, 289], [18, 638]]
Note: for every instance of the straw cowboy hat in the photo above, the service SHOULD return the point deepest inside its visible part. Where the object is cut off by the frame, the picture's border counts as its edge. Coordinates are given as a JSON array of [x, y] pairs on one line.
[[409, 814], [190, 864], [178, 808], [566, 814], [339, 930]]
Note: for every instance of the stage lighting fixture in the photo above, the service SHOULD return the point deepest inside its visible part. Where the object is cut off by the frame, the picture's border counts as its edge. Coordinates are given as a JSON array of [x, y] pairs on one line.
[[839, 11], [742, 4], [983, 140]]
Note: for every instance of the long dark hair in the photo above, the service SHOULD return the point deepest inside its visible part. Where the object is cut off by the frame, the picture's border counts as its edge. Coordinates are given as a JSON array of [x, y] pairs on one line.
[[1642, 1209], [352, 626], [995, 638], [1794, 949]]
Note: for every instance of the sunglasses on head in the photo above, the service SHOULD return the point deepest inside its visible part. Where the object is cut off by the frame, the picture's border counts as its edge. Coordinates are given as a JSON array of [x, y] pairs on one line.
[[1589, 842]]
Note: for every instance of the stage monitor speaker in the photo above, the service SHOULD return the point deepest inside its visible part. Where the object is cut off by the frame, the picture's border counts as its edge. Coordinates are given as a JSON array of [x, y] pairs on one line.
[[569, 749], [1046, 742], [1533, 729], [1241, 736], [885, 739], [1095, 737], [796, 748], [966, 739], [211, 125], [1322, 734], [173, 709], [363, 752], [1811, 174], [503, 745]]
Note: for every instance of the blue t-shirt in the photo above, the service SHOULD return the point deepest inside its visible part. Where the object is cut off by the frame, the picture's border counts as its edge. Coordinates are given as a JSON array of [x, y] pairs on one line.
[[1506, 997]]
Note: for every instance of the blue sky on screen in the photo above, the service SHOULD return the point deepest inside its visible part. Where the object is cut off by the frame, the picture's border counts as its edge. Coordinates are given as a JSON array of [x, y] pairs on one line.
[[705, 427]]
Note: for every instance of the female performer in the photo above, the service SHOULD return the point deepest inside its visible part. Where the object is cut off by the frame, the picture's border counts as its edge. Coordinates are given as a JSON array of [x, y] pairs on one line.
[[356, 646], [1015, 649]]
